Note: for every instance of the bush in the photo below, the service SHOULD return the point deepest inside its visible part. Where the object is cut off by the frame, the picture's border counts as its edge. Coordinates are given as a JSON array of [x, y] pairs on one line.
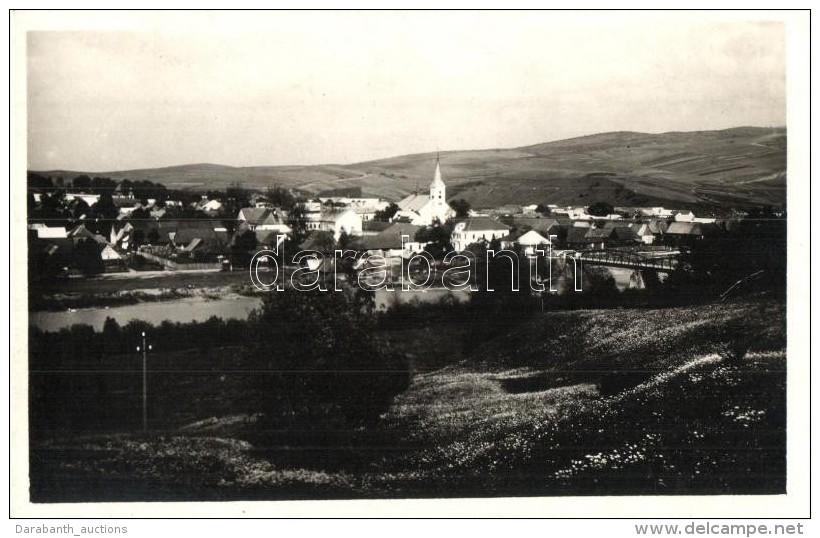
[[319, 365]]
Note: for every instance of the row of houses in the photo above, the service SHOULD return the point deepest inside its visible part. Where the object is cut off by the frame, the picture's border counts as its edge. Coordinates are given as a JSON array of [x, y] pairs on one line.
[[365, 208], [531, 233], [329, 218], [580, 213], [57, 242]]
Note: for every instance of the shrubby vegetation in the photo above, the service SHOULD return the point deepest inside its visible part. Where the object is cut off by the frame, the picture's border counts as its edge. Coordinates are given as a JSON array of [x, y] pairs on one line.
[[320, 362], [82, 380], [461, 207], [752, 250], [384, 215], [309, 361]]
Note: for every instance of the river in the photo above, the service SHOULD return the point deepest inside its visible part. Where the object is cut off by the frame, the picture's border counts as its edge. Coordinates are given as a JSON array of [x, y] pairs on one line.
[[200, 309], [179, 310]]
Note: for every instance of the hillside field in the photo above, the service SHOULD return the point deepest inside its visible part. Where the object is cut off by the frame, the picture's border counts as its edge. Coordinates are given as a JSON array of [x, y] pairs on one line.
[[709, 169], [589, 402]]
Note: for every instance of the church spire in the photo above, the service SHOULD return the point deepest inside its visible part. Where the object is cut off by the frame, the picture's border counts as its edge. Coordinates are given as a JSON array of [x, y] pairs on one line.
[[437, 181]]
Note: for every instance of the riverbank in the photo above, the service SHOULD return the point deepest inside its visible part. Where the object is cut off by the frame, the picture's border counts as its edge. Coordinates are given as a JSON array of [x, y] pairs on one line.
[[156, 305], [108, 284], [75, 300], [180, 310]]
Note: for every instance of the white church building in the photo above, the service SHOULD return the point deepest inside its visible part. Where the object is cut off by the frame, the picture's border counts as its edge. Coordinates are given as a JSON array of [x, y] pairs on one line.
[[423, 209]]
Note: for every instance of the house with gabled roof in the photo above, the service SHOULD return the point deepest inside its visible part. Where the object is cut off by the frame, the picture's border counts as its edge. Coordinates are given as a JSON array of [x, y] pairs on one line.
[[576, 237], [81, 232], [268, 239], [624, 235], [680, 233], [373, 227], [263, 219], [643, 233], [335, 221], [121, 235], [110, 257], [598, 238], [477, 230], [544, 226], [200, 242], [531, 241], [658, 226], [390, 240]]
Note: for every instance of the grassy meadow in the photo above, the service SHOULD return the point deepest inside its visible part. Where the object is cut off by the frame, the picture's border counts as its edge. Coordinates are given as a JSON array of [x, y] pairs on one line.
[[588, 402]]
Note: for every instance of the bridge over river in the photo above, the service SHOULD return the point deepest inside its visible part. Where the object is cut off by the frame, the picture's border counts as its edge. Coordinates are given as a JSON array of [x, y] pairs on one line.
[[651, 260]]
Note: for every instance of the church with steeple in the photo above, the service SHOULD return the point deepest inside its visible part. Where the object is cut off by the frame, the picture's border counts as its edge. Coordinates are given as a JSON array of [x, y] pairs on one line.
[[424, 209]]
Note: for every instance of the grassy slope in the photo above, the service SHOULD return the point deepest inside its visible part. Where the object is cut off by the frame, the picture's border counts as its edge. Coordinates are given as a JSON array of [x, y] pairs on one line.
[[524, 415], [695, 423], [690, 169]]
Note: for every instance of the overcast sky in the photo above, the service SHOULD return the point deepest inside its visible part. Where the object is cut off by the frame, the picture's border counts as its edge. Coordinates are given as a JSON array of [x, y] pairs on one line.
[[342, 87]]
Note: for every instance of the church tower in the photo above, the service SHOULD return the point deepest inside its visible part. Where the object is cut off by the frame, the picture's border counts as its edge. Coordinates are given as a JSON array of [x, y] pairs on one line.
[[438, 194]]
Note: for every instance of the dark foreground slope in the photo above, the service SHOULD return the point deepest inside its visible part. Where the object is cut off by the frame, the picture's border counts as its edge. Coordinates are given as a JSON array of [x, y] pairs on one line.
[[622, 401]]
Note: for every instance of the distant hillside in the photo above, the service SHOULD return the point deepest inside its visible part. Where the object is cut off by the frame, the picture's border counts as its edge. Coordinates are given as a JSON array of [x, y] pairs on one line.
[[214, 176], [739, 166]]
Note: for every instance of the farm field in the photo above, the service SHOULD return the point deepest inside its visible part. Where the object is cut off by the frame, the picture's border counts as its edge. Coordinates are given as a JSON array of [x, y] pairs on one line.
[[586, 402], [745, 165]]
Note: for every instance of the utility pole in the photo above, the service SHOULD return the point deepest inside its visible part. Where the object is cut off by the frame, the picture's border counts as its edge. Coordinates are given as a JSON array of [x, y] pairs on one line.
[[144, 348]]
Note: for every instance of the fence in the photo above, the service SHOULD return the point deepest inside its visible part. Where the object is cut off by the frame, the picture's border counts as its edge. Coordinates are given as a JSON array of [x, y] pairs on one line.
[[176, 266]]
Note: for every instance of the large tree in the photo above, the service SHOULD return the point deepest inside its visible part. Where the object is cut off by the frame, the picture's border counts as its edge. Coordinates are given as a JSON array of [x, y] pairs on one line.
[[600, 209], [244, 243], [461, 207], [81, 183], [236, 197], [297, 220], [280, 197], [437, 239], [384, 215], [87, 257], [100, 185], [320, 365]]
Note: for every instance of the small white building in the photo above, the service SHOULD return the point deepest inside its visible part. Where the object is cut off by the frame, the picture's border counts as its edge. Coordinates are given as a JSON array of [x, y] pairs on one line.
[[51, 232], [108, 254], [212, 206], [532, 241], [660, 212], [684, 216], [89, 199], [577, 213], [335, 221], [366, 208], [477, 230]]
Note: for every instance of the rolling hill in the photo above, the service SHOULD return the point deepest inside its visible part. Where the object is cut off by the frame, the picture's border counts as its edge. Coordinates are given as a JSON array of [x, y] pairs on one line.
[[732, 167]]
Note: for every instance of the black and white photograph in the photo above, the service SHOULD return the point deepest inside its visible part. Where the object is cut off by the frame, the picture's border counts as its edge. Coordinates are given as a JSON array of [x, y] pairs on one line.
[[406, 255]]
